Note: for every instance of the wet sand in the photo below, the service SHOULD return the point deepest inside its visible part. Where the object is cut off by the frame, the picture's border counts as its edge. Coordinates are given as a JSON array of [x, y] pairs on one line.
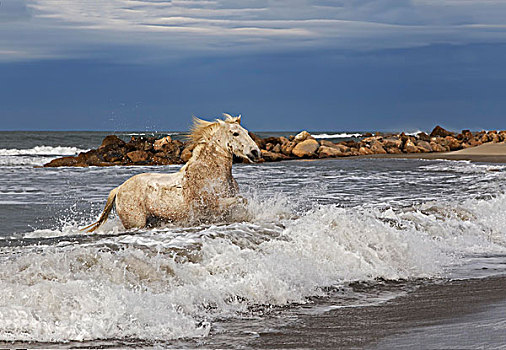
[[489, 153], [436, 305]]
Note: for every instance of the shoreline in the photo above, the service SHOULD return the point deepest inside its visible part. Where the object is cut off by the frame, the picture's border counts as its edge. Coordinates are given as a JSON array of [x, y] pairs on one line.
[[434, 304], [431, 308], [440, 144]]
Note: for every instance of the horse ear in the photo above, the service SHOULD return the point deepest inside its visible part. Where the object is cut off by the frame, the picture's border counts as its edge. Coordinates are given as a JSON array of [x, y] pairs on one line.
[[238, 119]]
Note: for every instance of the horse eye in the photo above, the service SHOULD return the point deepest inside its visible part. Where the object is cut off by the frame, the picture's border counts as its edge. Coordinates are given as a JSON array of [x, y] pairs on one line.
[[235, 134]]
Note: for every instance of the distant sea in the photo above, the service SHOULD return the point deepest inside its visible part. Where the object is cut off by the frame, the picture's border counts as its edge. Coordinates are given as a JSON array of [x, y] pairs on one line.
[[330, 240]]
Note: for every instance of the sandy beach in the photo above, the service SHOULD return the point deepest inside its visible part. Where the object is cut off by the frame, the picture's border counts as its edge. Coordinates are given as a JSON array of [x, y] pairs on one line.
[[489, 153], [396, 323]]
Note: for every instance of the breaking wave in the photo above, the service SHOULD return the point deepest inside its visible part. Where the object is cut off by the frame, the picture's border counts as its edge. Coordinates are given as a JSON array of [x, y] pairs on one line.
[[336, 136], [37, 155], [175, 282]]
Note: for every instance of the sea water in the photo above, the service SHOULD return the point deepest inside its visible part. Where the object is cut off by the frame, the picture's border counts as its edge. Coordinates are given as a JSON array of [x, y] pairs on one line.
[[311, 230]]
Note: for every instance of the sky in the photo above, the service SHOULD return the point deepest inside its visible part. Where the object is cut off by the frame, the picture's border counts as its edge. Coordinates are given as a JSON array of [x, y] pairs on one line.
[[326, 65]]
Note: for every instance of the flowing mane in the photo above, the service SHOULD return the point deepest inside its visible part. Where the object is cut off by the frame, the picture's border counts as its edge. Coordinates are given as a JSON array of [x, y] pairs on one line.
[[202, 129]]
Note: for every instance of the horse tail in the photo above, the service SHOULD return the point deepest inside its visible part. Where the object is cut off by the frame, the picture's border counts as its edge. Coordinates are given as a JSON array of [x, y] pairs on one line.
[[105, 214]]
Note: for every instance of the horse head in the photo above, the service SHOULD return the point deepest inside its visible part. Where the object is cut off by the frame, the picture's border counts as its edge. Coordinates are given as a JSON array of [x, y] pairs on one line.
[[237, 139]]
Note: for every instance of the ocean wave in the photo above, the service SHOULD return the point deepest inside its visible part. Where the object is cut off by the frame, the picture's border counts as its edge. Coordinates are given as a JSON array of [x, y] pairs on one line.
[[413, 133], [36, 156], [174, 282], [42, 151], [336, 136]]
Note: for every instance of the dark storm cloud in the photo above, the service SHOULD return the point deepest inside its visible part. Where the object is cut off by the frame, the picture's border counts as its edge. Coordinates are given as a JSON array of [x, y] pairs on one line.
[[189, 27]]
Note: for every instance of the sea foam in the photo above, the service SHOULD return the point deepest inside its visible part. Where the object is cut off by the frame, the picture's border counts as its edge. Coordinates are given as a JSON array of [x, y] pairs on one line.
[[174, 282]]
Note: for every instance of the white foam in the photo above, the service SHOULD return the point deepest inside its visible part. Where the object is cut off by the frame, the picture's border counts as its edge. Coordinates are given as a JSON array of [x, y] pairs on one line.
[[171, 283], [36, 156], [336, 136], [41, 151]]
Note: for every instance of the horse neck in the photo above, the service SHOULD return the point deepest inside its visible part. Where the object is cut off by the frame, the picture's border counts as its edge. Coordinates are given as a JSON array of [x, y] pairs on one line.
[[211, 158]]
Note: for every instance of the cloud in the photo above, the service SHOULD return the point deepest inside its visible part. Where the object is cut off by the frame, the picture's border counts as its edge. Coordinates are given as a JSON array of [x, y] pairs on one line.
[[69, 28]]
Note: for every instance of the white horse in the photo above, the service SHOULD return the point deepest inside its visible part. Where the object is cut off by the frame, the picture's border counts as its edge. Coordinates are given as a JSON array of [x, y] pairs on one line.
[[202, 190]]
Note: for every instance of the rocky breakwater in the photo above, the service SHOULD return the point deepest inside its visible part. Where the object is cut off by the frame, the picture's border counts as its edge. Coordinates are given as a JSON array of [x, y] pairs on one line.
[[138, 151], [151, 151]]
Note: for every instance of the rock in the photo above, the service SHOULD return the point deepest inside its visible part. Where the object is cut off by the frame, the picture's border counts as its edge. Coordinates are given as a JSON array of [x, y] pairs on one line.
[[343, 148], [277, 148], [371, 139], [494, 137], [302, 136], [287, 148], [474, 142], [138, 156], [64, 161], [436, 147], [485, 138], [424, 146], [112, 141], [273, 140], [269, 146], [160, 143], [364, 151], [367, 134], [113, 155], [439, 131], [272, 157], [139, 144], [453, 143], [423, 136], [90, 158], [306, 148], [327, 143], [392, 142], [377, 148], [186, 154], [393, 150], [410, 147], [329, 152], [283, 140]]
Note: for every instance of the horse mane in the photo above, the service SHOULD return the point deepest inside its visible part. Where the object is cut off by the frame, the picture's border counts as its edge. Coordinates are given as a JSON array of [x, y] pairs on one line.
[[202, 128]]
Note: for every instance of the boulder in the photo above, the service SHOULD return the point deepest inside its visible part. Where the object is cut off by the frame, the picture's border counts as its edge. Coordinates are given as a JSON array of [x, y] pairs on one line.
[[306, 148], [424, 146], [342, 148], [138, 156], [276, 148], [474, 142], [439, 131], [186, 154], [423, 136], [287, 148], [64, 161], [393, 150], [327, 143], [453, 143], [272, 157], [329, 152], [364, 151], [302, 136], [377, 148], [159, 144], [410, 147], [92, 157], [485, 138], [112, 141], [436, 147], [392, 142]]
